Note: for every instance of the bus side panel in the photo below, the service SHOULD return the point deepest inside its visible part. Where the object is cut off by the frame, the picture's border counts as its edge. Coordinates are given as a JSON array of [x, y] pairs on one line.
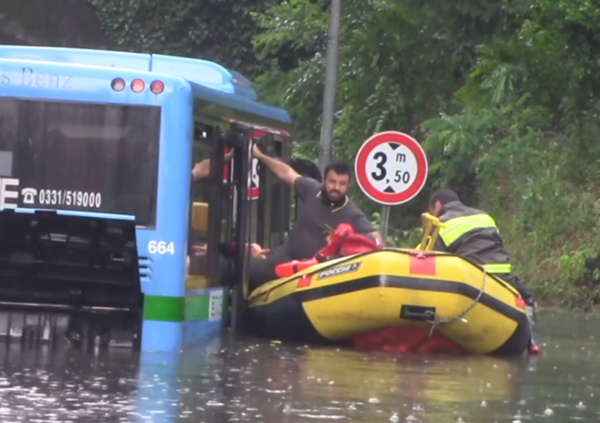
[[166, 246]]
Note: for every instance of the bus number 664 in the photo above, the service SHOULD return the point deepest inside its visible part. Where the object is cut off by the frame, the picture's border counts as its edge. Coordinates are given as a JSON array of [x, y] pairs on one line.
[[161, 247]]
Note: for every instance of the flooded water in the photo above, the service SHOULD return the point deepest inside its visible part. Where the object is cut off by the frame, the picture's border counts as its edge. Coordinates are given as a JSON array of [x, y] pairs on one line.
[[258, 381]]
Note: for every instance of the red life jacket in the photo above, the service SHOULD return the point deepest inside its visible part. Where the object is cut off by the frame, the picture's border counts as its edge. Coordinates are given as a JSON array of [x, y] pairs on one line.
[[343, 242]]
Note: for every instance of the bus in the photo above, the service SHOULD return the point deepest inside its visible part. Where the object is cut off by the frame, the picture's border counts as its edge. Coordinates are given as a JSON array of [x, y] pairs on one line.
[[99, 213]]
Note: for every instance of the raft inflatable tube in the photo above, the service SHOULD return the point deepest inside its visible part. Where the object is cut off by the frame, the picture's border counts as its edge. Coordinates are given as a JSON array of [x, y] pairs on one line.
[[394, 300]]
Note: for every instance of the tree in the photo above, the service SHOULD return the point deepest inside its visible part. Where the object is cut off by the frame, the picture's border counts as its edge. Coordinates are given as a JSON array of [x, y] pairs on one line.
[[504, 95], [400, 63], [216, 30], [528, 130]]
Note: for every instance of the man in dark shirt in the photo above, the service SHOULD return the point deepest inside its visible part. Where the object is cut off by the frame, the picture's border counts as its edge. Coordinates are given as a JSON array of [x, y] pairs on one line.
[[324, 207]]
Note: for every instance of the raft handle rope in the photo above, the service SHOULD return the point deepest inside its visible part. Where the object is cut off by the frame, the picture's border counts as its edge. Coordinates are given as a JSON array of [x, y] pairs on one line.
[[439, 321]]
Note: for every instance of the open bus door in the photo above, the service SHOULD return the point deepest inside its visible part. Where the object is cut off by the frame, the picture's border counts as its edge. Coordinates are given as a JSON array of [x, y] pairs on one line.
[[260, 206], [260, 203], [241, 143], [248, 204], [218, 213]]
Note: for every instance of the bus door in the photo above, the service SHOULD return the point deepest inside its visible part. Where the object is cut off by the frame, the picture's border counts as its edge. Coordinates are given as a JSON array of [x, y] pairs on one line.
[[239, 191], [210, 221], [219, 216]]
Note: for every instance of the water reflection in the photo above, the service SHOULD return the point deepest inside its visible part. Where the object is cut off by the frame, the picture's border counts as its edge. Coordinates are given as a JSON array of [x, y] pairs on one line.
[[250, 380], [412, 388], [292, 385], [41, 384]]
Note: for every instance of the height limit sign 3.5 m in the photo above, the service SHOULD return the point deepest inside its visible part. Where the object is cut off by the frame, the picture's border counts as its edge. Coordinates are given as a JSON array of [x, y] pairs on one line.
[[391, 168]]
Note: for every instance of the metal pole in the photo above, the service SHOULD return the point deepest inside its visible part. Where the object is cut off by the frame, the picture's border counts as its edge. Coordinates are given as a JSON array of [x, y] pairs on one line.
[[383, 226], [331, 70], [240, 172]]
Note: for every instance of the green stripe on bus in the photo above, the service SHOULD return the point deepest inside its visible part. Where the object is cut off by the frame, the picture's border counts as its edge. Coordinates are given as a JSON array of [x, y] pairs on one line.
[[178, 309]]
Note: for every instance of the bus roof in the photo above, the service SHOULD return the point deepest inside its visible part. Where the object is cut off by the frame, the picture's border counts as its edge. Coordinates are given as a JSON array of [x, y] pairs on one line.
[[221, 93]]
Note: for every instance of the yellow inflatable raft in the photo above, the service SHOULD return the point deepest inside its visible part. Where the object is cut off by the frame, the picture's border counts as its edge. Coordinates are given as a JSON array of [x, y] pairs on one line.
[[395, 299]]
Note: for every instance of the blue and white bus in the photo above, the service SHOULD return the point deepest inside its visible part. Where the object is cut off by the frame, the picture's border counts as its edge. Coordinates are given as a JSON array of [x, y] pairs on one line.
[[98, 208]]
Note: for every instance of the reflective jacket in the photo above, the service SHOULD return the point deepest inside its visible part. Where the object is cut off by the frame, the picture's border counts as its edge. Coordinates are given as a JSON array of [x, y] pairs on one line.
[[472, 234]]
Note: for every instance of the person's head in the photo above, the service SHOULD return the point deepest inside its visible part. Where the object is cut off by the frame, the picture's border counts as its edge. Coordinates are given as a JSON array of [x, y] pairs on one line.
[[440, 198], [336, 180]]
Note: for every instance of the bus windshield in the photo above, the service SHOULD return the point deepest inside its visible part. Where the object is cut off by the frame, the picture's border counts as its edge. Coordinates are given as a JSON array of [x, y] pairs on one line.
[[80, 156]]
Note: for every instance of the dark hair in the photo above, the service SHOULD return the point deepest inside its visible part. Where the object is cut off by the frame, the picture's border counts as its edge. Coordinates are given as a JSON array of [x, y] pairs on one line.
[[305, 168], [340, 168], [444, 195]]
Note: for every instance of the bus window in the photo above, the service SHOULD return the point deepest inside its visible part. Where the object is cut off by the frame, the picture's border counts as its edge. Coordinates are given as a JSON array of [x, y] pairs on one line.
[[81, 156]]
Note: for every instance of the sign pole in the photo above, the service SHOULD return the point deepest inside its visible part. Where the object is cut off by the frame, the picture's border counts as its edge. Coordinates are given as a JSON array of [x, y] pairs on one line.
[[331, 71], [383, 225], [391, 169]]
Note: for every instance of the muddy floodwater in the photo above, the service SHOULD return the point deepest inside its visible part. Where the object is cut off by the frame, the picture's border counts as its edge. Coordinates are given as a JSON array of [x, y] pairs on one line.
[[249, 380]]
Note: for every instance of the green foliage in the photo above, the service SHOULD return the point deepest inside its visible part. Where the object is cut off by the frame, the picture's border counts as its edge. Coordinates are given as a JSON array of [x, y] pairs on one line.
[[503, 94], [527, 129], [217, 30]]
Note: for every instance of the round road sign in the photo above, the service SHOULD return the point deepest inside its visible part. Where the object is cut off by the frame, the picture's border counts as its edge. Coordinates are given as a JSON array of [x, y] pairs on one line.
[[391, 168]]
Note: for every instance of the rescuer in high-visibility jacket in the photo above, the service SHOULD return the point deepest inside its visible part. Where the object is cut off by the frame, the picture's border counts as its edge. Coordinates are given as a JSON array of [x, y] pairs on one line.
[[473, 235]]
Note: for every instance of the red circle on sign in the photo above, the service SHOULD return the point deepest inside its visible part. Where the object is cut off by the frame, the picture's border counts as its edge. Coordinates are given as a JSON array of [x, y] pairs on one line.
[[360, 168]]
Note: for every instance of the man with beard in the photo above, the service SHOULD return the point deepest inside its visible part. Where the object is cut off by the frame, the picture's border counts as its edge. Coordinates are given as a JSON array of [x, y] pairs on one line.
[[324, 207]]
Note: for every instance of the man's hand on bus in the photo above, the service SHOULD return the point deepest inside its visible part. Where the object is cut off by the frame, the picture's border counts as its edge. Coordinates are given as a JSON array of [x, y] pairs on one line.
[[281, 170], [201, 170], [256, 153]]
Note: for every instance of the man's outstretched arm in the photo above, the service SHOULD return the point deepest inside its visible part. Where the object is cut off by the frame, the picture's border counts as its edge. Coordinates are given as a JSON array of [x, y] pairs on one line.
[[279, 168]]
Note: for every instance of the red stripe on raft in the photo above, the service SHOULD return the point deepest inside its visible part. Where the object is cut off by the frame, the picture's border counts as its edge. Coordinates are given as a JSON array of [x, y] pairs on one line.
[[304, 281], [519, 302], [404, 339], [422, 265]]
